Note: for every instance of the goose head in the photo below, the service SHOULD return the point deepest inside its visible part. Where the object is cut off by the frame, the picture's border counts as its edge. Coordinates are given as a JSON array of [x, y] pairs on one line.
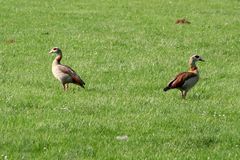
[[56, 51], [195, 58]]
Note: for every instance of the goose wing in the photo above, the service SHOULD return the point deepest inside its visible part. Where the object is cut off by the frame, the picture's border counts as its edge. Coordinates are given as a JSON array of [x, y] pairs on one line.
[[180, 79], [68, 70]]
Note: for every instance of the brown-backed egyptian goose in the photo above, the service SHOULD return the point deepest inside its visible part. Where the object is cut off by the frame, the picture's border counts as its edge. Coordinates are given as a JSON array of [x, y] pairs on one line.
[[186, 80], [64, 73]]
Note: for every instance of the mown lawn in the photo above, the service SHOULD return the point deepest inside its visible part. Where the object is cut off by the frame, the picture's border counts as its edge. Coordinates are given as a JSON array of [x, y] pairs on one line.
[[126, 52]]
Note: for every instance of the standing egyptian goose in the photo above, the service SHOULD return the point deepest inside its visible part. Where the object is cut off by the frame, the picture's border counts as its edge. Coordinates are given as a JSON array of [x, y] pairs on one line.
[[64, 73], [186, 80]]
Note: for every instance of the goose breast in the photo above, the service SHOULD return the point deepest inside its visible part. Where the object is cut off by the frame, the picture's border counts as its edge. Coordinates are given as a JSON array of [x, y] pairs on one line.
[[60, 75], [189, 83]]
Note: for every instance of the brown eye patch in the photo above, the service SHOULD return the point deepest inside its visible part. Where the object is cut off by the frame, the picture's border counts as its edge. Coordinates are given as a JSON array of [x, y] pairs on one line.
[[197, 56]]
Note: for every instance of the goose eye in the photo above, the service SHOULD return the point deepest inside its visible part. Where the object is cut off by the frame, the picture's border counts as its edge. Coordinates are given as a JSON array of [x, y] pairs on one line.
[[54, 48], [197, 56]]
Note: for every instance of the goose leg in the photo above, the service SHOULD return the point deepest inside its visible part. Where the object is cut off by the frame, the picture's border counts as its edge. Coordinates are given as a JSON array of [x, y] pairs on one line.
[[64, 87], [184, 94]]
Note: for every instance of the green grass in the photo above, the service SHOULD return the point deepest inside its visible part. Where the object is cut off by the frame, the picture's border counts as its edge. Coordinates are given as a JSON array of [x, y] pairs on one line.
[[126, 51]]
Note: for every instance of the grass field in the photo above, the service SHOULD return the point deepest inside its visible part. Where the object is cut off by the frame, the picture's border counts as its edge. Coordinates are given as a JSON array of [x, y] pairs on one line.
[[126, 51]]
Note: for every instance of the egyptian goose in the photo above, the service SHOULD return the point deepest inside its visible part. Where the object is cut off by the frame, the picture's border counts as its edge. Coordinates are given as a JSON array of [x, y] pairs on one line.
[[186, 80], [64, 73]]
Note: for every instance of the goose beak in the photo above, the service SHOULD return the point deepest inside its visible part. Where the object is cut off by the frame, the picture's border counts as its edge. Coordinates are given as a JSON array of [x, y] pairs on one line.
[[50, 52], [202, 60]]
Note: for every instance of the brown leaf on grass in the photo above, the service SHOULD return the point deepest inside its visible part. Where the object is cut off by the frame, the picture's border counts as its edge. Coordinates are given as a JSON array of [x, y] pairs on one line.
[[182, 21], [10, 41], [45, 33]]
